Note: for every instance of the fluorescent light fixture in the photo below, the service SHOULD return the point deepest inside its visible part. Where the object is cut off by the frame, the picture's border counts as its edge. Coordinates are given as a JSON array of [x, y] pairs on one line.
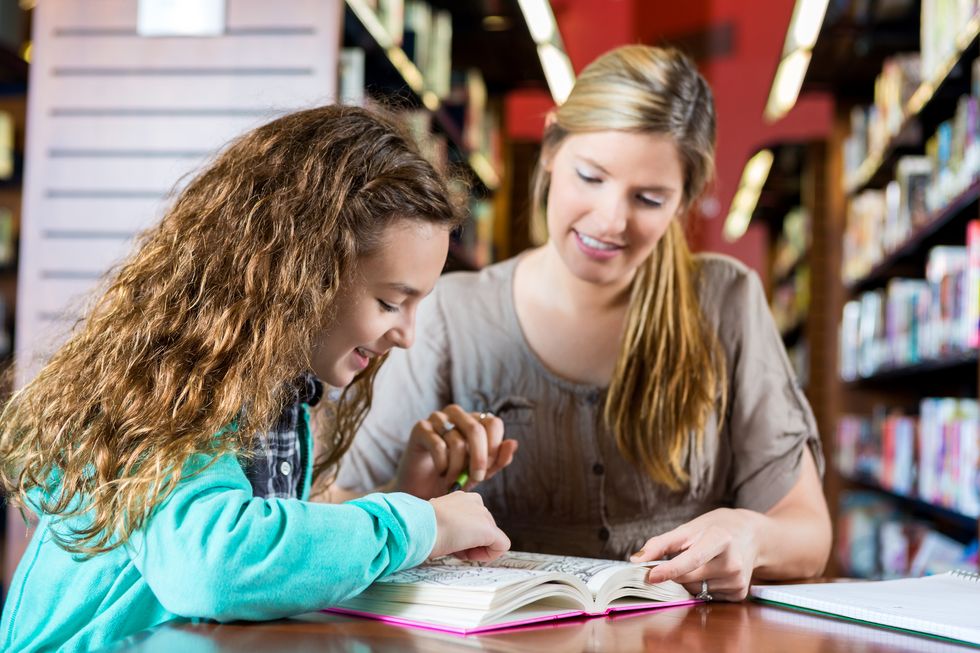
[[786, 84], [539, 18], [805, 24], [557, 70], [804, 28], [555, 63], [749, 187]]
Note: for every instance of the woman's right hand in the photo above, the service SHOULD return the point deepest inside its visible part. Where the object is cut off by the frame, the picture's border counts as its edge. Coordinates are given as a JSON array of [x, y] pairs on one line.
[[436, 455], [466, 529]]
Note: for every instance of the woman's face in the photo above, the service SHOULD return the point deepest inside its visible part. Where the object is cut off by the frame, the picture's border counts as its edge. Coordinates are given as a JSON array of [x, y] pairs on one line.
[[612, 197], [375, 310]]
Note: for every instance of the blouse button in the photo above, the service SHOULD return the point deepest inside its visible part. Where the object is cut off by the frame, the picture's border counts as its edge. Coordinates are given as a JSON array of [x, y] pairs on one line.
[[598, 469], [285, 468], [603, 533]]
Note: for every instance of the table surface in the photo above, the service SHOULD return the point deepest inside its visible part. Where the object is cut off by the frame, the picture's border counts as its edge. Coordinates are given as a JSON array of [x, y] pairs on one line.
[[716, 627]]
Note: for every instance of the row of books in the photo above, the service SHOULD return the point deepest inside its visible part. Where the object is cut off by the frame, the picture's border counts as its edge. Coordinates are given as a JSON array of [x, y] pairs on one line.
[[881, 221], [873, 128], [424, 33], [942, 23], [465, 102], [875, 539], [933, 456], [916, 320]]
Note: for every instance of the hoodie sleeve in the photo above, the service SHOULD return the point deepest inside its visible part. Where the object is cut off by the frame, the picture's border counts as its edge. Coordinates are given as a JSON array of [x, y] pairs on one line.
[[213, 550]]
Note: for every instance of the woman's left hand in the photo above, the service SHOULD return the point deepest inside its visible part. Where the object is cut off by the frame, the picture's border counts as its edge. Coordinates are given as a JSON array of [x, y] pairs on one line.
[[720, 547]]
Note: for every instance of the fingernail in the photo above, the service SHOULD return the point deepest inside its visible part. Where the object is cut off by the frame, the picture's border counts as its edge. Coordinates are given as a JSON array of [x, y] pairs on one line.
[[636, 555]]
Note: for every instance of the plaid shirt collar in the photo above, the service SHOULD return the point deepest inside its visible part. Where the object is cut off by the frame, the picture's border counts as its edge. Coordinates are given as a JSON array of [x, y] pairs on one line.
[[278, 467]]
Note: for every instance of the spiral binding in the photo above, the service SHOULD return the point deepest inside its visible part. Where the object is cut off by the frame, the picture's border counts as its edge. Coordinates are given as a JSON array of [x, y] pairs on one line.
[[966, 575]]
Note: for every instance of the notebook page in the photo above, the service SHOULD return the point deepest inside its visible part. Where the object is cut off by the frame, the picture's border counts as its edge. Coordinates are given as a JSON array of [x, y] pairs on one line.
[[947, 604]]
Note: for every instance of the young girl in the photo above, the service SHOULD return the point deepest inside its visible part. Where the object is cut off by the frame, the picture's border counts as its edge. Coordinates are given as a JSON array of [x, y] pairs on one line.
[[648, 389], [306, 245]]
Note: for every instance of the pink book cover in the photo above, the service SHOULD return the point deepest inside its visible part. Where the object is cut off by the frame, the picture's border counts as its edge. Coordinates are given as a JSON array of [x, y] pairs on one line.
[[517, 623]]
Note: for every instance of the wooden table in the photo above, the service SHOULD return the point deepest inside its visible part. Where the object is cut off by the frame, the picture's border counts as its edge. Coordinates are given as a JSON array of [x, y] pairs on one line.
[[715, 628]]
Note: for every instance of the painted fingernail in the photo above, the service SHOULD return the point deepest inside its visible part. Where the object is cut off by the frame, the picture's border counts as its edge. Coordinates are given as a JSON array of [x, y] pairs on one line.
[[637, 554]]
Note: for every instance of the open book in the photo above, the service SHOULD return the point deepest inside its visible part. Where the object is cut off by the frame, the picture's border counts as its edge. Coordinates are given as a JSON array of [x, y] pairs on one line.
[[945, 605], [516, 589]]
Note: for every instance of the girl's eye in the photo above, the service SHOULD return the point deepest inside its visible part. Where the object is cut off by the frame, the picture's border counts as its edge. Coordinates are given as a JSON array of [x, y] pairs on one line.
[[386, 307], [589, 179], [654, 202]]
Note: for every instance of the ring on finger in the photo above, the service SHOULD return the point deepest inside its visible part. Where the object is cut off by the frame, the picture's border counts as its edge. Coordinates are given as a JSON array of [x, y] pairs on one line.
[[704, 595], [447, 426], [483, 416]]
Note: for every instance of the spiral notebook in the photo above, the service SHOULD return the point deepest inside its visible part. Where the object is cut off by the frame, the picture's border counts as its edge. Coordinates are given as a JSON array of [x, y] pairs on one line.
[[945, 605]]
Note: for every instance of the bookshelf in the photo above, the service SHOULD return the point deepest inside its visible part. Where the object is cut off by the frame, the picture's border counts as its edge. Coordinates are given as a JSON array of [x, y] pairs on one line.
[[427, 62], [903, 182]]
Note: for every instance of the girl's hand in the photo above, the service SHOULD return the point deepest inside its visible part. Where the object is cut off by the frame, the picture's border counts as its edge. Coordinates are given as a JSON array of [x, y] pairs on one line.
[[447, 443], [719, 546], [465, 528]]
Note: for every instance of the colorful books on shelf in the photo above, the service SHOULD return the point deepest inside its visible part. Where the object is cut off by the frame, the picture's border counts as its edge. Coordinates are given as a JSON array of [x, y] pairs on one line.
[[916, 320], [933, 457], [517, 589], [875, 538]]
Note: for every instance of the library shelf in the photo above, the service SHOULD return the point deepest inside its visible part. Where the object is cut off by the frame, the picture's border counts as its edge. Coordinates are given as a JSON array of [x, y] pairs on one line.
[[400, 81], [914, 505], [951, 218], [965, 362], [875, 170]]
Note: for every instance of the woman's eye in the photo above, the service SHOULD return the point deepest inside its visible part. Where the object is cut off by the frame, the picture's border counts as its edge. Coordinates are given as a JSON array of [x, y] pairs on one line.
[[386, 307], [589, 179], [654, 202]]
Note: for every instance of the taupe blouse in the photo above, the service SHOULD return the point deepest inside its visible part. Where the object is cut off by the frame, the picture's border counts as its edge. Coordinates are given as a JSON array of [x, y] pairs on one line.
[[569, 490]]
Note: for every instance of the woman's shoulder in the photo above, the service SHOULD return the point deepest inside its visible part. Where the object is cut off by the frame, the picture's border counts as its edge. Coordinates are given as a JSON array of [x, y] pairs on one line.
[[721, 270], [726, 286]]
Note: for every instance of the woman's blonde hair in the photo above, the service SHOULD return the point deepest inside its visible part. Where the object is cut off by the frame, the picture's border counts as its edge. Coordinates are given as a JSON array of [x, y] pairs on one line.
[[670, 374], [196, 343]]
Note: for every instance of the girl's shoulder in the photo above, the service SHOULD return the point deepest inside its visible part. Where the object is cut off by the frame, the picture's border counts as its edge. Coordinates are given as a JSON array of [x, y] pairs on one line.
[[715, 269]]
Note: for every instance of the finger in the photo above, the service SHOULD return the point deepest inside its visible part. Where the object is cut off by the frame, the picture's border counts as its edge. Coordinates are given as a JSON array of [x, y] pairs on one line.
[[426, 437], [476, 440], [494, 427], [441, 423], [698, 555], [505, 456], [456, 451], [659, 546]]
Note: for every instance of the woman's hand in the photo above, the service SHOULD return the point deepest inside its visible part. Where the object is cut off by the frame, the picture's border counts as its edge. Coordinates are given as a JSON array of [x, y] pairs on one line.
[[720, 547], [447, 443], [466, 529]]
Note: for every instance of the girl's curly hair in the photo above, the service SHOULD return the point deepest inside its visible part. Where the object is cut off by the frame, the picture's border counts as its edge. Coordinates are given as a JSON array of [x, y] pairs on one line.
[[215, 312]]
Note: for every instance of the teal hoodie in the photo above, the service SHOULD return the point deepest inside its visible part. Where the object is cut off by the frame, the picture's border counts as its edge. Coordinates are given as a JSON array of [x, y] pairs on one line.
[[211, 550]]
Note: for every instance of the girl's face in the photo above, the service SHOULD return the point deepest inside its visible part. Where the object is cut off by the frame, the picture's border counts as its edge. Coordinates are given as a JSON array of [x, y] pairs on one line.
[[612, 197], [375, 310]]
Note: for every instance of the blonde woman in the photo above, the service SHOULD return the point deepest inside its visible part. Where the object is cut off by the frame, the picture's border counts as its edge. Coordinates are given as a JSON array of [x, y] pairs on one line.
[[647, 388], [144, 444]]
